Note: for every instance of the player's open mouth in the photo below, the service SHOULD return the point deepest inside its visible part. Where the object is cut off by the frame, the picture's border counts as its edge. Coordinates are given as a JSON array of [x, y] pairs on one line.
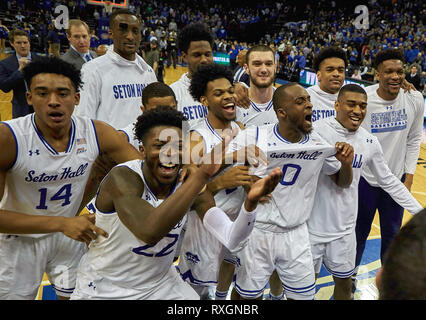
[[355, 120], [395, 85], [308, 118], [56, 116], [230, 107], [168, 169]]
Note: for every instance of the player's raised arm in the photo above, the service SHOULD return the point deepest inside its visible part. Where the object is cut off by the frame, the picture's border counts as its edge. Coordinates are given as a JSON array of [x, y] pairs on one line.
[[218, 223]]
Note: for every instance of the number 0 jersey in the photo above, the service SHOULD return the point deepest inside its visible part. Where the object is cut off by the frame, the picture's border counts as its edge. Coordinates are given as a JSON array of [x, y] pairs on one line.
[[301, 163], [124, 259], [43, 181]]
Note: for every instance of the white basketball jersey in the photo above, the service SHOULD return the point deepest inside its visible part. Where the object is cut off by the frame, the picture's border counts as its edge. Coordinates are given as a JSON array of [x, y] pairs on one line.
[[301, 163], [43, 181], [193, 110], [201, 250], [257, 114], [122, 258], [335, 210], [322, 102]]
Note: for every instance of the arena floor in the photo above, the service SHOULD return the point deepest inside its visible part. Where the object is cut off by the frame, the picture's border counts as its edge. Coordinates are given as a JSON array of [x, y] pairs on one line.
[[366, 289]]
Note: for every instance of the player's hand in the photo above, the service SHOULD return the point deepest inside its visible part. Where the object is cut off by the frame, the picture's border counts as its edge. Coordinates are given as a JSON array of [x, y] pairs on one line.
[[407, 86], [242, 95], [82, 228], [235, 177], [262, 187], [211, 162], [345, 153]]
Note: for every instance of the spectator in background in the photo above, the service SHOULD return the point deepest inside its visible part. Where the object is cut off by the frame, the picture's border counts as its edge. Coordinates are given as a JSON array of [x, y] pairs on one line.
[[54, 41], [356, 75], [152, 56], [11, 76], [78, 37], [414, 77], [4, 31]]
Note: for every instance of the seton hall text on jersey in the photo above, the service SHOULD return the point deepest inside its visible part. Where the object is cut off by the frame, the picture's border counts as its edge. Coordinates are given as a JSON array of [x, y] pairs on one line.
[[195, 112], [129, 90], [67, 173], [322, 114]]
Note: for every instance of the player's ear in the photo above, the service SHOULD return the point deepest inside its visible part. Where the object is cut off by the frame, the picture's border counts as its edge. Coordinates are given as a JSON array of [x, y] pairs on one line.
[[77, 98], [337, 105], [281, 113], [29, 97], [142, 151], [203, 100], [142, 108], [319, 76]]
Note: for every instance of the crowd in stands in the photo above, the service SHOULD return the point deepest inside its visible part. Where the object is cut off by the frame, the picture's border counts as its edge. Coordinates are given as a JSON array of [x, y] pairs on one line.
[[296, 30]]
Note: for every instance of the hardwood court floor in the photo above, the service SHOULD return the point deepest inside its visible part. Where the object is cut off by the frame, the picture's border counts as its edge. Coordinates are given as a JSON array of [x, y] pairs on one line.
[[366, 289]]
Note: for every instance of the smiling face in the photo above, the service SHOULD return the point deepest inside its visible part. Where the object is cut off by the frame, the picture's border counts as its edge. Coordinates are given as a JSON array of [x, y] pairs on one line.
[[351, 108], [53, 98], [162, 147], [390, 74], [219, 98], [261, 68], [331, 75], [126, 34]]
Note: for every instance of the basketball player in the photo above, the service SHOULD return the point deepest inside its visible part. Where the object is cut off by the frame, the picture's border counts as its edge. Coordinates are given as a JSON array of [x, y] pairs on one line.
[[332, 222], [260, 66], [280, 239], [395, 117], [143, 209], [212, 85], [196, 43], [155, 94], [330, 66], [113, 83], [44, 172]]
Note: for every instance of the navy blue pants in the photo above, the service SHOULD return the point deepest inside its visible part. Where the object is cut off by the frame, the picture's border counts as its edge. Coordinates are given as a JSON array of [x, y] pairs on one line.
[[371, 199]]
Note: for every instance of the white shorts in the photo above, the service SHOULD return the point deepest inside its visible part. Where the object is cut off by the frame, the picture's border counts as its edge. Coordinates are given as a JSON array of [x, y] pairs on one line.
[[92, 286], [201, 254], [338, 256], [24, 260], [289, 253]]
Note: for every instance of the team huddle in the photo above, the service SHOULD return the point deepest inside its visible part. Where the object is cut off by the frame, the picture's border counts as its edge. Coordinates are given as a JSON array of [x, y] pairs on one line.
[[204, 183]]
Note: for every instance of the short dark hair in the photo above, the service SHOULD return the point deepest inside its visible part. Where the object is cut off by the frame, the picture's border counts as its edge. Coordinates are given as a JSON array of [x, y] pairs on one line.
[[388, 54], [351, 87], [116, 12], [193, 32], [158, 90], [160, 116], [16, 33], [329, 52], [404, 266], [52, 65], [257, 48], [205, 74], [280, 94]]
